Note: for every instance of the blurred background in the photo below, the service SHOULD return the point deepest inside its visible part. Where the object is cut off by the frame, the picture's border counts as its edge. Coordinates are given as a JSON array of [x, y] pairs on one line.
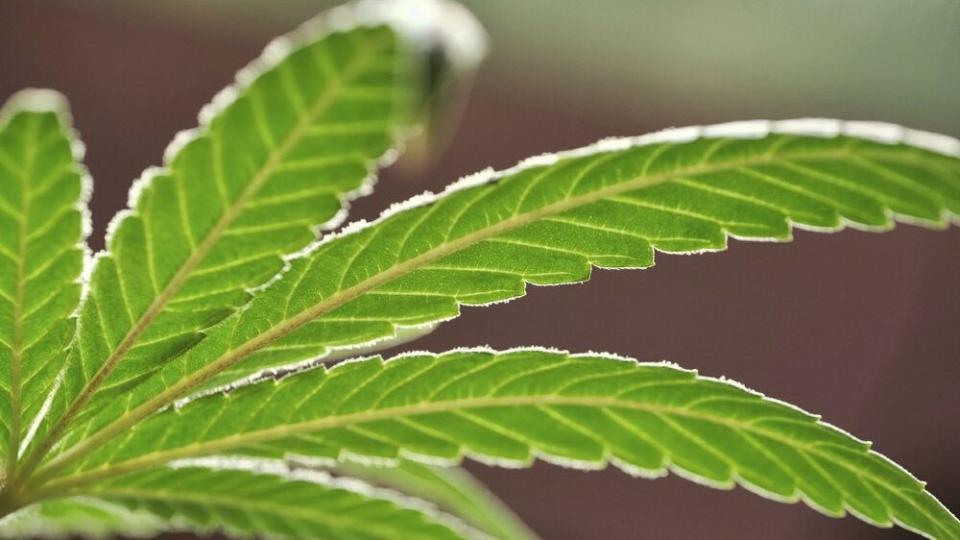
[[862, 328]]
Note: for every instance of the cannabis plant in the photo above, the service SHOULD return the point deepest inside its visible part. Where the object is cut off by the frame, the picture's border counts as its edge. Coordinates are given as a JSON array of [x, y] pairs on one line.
[[214, 367]]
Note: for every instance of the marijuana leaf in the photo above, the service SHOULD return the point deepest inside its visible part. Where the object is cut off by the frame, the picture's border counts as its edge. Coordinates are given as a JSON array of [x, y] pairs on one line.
[[189, 387], [42, 217], [85, 517], [582, 410]]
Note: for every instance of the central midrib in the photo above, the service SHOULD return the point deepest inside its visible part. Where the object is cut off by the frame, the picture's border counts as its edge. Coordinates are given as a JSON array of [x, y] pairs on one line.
[[231, 213], [229, 358]]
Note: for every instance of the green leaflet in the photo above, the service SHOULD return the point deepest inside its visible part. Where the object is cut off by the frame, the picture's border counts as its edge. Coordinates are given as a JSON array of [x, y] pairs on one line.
[[451, 488], [42, 220], [275, 158], [582, 410], [247, 504], [548, 221]]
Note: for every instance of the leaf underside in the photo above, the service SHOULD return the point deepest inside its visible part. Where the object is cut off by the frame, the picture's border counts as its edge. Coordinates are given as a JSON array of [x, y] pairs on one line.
[[215, 279]]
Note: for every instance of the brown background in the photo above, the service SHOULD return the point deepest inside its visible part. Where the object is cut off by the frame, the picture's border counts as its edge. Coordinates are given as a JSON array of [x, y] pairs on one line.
[[859, 327]]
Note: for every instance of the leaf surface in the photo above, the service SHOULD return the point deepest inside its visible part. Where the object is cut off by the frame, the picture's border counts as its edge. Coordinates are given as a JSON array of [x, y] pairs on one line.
[[42, 213], [275, 158], [507, 408], [551, 219]]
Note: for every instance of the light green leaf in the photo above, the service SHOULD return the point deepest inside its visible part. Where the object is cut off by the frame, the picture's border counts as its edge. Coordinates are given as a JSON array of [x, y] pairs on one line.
[[582, 410], [549, 220], [275, 158], [42, 222], [451, 488], [260, 505]]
